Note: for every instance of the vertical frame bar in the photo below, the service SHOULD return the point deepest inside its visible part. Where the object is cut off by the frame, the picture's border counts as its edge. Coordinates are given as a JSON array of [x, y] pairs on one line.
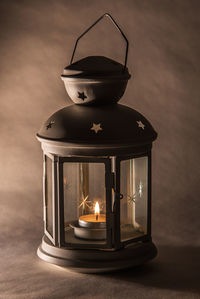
[[116, 206], [108, 185], [55, 200], [149, 196], [61, 232], [44, 192], [53, 237]]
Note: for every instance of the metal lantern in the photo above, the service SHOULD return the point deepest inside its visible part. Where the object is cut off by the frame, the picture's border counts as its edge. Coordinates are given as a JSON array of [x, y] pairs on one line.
[[97, 172]]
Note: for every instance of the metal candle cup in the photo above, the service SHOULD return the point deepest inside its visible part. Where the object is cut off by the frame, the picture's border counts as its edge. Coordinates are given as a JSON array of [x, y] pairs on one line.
[[91, 226], [92, 221], [88, 228]]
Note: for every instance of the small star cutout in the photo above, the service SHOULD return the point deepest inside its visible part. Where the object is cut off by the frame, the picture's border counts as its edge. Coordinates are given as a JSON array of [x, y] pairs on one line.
[[96, 128], [140, 124], [81, 95], [85, 203], [50, 124], [132, 198]]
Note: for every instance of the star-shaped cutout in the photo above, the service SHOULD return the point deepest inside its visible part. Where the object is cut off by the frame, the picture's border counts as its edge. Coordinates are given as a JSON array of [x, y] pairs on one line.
[[50, 124], [96, 127], [140, 189], [81, 95], [140, 124], [85, 203], [132, 198]]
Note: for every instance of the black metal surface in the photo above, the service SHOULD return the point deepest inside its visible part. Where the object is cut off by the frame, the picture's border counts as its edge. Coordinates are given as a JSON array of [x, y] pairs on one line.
[[103, 90], [108, 186], [97, 21], [107, 125], [117, 243], [149, 196], [55, 199], [95, 80], [95, 150], [96, 261], [61, 233], [96, 67]]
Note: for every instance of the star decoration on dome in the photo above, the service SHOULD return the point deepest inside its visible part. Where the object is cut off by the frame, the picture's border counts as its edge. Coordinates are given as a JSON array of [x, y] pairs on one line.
[[140, 124], [50, 124], [81, 95], [96, 127]]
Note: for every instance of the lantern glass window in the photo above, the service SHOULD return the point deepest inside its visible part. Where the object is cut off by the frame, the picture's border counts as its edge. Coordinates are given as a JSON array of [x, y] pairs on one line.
[[48, 196], [134, 188], [84, 198]]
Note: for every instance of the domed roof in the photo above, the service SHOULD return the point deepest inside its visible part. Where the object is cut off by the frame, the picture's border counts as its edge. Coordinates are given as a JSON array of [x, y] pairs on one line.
[[94, 126], [95, 66]]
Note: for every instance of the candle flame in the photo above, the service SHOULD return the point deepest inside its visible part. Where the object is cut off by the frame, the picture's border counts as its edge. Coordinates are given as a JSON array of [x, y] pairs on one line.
[[96, 209]]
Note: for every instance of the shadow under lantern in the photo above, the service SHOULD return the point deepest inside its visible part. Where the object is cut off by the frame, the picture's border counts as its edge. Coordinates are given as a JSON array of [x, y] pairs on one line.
[[97, 172]]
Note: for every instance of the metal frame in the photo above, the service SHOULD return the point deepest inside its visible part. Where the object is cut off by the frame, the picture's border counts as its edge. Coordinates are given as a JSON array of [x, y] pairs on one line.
[[116, 204], [149, 196], [108, 186], [65, 149], [147, 236], [52, 238], [112, 185]]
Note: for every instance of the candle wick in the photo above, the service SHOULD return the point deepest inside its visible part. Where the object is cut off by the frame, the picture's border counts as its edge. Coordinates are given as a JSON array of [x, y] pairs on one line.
[[97, 216]]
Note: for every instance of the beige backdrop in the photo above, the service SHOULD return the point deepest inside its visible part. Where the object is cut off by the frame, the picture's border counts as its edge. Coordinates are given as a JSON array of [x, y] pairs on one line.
[[36, 43]]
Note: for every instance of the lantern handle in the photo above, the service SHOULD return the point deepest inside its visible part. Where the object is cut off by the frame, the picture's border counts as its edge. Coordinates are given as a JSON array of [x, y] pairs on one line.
[[97, 21]]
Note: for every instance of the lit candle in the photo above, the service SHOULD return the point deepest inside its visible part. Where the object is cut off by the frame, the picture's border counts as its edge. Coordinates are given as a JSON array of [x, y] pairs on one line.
[[96, 210], [95, 220], [91, 226]]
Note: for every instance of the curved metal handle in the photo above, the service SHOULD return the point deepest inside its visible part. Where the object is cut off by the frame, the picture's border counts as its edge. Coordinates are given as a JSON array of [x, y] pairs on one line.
[[97, 21]]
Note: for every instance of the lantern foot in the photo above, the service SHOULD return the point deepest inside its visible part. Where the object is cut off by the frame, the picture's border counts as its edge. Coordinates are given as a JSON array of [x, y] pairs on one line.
[[97, 261]]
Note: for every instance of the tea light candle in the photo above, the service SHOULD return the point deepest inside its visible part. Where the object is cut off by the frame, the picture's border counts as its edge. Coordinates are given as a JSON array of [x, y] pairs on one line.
[[91, 226], [92, 221], [95, 220]]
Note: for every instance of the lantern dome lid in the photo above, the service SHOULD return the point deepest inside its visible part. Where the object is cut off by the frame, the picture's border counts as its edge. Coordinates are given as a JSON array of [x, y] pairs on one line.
[[95, 80], [96, 66], [97, 127]]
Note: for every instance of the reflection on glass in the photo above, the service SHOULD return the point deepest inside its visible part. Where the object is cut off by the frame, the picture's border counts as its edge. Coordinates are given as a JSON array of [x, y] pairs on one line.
[[84, 203], [48, 195], [133, 208]]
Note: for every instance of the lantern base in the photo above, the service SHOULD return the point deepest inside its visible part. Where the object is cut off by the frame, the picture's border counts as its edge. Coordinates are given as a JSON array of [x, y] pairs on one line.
[[97, 261]]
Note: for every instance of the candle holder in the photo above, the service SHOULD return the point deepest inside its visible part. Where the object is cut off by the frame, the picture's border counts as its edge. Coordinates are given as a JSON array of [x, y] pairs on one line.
[[97, 172]]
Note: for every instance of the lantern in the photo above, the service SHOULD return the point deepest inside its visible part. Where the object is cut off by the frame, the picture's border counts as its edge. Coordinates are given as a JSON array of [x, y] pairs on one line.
[[97, 172]]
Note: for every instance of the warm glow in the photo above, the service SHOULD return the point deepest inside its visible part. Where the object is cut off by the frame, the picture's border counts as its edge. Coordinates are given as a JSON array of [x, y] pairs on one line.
[[97, 210]]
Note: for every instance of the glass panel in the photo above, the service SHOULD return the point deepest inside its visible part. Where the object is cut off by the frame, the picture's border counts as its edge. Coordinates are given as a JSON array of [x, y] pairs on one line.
[[133, 209], [84, 203], [49, 194]]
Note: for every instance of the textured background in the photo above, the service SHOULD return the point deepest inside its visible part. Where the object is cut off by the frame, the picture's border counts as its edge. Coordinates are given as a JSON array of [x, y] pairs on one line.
[[36, 42]]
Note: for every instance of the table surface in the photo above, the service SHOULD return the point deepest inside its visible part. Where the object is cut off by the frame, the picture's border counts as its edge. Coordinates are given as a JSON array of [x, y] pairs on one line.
[[173, 274]]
